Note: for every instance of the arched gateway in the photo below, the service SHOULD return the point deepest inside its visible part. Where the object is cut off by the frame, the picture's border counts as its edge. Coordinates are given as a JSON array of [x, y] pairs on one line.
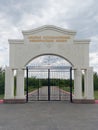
[[49, 40]]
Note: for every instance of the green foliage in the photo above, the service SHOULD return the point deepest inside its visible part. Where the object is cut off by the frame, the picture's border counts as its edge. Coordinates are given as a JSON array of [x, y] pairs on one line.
[[95, 81], [44, 82], [96, 94], [2, 80], [35, 83], [95, 77]]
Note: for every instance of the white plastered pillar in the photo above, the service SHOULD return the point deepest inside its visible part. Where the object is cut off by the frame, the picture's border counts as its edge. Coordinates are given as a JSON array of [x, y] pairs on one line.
[[20, 84], [9, 83], [88, 84], [78, 83]]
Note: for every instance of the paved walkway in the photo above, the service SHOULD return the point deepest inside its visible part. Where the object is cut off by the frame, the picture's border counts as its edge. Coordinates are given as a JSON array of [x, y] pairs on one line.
[[57, 115], [55, 94]]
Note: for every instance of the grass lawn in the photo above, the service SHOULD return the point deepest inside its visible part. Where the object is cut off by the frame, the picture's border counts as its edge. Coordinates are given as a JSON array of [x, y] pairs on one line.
[[1, 96], [96, 94]]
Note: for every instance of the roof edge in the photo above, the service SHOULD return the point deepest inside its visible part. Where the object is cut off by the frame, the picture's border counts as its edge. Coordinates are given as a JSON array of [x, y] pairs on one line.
[[15, 41], [51, 27], [86, 41]]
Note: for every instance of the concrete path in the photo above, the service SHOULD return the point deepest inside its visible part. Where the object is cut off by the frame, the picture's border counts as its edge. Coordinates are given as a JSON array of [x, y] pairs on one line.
[[51, 115], [55, 94]]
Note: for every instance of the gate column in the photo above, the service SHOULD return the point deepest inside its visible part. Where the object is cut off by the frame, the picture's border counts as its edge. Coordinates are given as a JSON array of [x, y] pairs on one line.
[[20, 86], [9, 84], [88, 84], [77, 84]]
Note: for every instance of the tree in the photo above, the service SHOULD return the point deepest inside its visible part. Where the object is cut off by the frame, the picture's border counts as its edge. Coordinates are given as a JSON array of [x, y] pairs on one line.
[[2, 80], [95, 81]]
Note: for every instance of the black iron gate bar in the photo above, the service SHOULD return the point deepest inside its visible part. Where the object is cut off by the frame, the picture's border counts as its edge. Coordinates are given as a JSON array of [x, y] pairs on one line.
[[48, 84], [71, 84], [27, 85], [60, 90], [53, 68]]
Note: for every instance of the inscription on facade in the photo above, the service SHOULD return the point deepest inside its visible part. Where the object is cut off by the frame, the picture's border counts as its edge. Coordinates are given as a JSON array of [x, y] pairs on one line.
[[48, 38]]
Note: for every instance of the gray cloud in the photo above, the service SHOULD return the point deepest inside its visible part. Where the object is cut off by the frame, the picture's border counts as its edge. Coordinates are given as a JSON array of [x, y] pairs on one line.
[[79, 15], [16, 9], [49, 60]]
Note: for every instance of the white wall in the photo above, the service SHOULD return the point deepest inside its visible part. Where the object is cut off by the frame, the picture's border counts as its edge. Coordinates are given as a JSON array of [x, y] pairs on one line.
[[23, 51]]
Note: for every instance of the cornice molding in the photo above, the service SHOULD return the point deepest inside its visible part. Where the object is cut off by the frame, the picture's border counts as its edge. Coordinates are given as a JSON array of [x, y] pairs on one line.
[[48, 27]]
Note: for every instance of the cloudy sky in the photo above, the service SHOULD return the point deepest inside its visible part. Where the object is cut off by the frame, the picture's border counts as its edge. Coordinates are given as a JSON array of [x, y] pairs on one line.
[[78, 15]]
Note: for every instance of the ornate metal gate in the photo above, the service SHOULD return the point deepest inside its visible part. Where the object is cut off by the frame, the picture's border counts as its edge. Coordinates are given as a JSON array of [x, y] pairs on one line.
[[48, 83]]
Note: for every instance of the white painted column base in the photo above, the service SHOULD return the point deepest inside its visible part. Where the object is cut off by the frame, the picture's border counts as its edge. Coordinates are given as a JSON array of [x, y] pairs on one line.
[[20, 84], [77, 84], [89, 87], [9, 83]]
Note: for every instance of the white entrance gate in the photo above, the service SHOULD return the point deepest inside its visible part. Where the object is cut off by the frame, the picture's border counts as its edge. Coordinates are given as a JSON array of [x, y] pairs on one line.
[[49, 40]]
